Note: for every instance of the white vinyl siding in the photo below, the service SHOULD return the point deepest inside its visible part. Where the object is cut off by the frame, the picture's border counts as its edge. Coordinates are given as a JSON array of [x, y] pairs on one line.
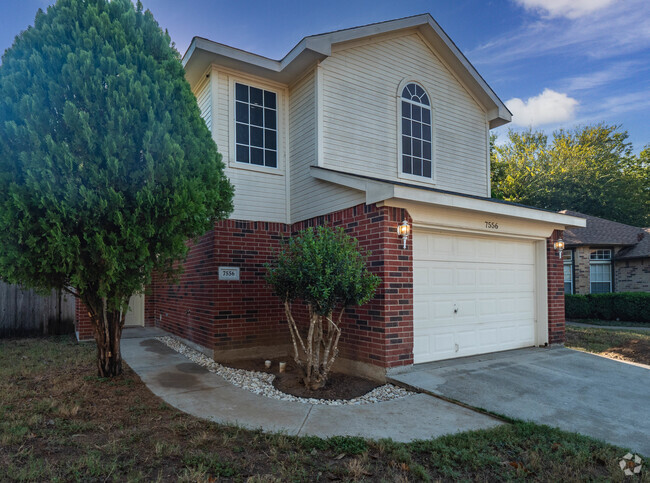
[[204, 100], [309, 196], [360, 118], [259, 195]]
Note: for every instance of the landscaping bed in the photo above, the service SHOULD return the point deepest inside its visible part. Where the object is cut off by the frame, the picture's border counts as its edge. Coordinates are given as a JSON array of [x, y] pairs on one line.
[[59, 421], [625, 345]]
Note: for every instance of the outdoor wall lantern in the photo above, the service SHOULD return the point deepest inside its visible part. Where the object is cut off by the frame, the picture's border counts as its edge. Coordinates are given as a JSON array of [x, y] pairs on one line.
[[559, 246], [403, 231]]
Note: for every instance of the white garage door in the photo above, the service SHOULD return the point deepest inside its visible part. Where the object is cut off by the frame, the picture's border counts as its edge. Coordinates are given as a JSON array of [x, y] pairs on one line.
[[472, 295]]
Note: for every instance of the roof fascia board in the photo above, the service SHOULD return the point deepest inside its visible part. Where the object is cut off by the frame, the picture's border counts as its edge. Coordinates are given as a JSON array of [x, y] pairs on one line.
[[377, 191]]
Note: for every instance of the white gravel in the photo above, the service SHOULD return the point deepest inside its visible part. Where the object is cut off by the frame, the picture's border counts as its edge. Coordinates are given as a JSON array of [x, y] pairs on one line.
[[262, 383]]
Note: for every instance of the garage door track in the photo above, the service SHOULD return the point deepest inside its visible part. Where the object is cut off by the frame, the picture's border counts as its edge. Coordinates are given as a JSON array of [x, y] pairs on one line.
[[572, 390]]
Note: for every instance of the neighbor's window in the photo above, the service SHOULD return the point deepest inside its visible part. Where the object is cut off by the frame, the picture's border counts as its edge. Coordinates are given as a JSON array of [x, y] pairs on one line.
[[416, 132], [600, 271], [256, 132], [568, 271]]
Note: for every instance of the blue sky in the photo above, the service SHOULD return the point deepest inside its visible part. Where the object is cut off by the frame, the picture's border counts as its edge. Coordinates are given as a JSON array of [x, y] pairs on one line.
[[556, 63]]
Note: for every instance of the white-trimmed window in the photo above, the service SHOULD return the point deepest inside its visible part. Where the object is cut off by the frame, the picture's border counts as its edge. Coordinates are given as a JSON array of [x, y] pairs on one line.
[[600, 271], [417, 152], [256, 126], [568, 271]]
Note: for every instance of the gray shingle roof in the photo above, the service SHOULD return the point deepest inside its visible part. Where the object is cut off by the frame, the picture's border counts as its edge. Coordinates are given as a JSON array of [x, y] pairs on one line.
[[605, 232]]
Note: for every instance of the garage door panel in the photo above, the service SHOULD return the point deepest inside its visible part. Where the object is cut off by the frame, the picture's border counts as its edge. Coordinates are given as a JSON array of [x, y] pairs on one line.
[[491, 281]]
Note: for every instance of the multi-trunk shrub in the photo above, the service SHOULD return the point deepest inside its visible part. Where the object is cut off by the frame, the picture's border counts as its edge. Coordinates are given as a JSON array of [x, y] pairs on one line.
[[630, 306]]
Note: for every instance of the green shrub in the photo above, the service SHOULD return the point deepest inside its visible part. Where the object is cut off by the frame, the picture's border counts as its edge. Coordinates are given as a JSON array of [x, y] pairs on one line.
[[629, 306]]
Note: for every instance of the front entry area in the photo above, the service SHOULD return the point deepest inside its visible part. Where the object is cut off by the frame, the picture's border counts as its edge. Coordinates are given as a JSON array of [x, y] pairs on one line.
[[135, 315], [472, 294]]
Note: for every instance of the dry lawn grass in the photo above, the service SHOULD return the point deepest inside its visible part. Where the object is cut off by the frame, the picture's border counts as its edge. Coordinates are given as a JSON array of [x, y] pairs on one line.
[[59, 422]]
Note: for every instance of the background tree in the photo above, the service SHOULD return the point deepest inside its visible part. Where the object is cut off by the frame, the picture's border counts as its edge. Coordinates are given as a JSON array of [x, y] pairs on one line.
[[106, 168], [590, 169], [324, 268]]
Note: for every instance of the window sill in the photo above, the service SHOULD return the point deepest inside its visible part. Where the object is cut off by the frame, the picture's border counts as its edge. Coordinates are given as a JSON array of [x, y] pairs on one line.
[[413, 177], [253, 167]]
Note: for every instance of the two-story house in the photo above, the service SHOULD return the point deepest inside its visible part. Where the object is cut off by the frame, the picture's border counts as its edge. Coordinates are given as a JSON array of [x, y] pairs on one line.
[[365, 128]]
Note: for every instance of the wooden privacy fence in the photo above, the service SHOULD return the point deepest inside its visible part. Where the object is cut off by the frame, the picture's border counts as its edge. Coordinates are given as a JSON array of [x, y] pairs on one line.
[[24, 312]]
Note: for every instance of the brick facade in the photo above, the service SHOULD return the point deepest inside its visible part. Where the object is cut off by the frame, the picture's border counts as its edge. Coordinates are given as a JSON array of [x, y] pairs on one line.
[[632, 275], [555, 287], [227, 315], [231, 315]]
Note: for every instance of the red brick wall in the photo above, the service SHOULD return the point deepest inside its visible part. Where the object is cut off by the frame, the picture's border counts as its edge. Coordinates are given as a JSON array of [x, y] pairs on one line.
[[555, 280], [83, 326], [236, 314]]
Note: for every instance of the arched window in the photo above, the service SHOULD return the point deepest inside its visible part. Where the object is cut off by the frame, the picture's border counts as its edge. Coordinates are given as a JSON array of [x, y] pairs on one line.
[[417, 158]]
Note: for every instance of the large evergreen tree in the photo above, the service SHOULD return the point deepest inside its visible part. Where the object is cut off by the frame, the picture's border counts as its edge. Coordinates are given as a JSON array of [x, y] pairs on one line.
[[591, 169], [106, 168]]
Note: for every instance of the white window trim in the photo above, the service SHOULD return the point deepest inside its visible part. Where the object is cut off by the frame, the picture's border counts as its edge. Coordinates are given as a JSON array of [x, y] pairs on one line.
[[279, 170], [569, 263], [602, 262], [400, 173]]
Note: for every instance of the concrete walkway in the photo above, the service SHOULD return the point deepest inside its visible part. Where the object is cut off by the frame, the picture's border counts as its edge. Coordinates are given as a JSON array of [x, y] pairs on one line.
[[609, 327], [194, 390], [572, 390]]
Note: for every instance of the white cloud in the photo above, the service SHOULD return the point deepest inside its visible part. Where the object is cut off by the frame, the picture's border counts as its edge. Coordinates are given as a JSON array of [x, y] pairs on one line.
[[613, 72], [617, 29], [546, 108], [565, 8]]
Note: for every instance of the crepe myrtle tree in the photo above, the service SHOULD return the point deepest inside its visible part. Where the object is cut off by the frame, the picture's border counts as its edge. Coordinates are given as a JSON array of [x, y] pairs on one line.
[[106, 167], [324, 268]]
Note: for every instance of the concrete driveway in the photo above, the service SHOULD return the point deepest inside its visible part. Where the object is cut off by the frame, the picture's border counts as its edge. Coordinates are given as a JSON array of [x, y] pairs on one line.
[[572, 390]]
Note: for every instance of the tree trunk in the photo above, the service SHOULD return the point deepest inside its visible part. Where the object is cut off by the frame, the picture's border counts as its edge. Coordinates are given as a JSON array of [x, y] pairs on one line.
[[108, 323]]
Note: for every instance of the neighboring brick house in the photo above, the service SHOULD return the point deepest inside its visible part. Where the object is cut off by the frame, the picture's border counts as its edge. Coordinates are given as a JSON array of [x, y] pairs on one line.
[[364, 128], [606, 256]]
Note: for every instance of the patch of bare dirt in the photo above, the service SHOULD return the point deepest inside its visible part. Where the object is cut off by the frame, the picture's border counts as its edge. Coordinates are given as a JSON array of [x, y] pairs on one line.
[[633, 350], [339, 386]]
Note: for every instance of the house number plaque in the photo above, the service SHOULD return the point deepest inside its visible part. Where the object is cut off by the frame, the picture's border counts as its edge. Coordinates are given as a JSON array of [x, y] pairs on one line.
[[492, 225], [228, 273]]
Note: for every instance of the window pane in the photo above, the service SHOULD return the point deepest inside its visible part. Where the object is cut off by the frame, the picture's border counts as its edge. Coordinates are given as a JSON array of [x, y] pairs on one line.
[[241, 92], [417, 148], [426, 150], [256, 96], [242, 133], [426, 169], [416, 110], [270, 158], [257, 136], [256, 116], [406, 164], [406, 126], [600, 287], [257, 156], [425, 100], [269, 99], [241, 112], [567, 287], [269, 118], [426, 116], [426, 132], [417, 130], [419, 91], [406, 145], [406, 110], [417, 166], [269, 139], [242, 154]]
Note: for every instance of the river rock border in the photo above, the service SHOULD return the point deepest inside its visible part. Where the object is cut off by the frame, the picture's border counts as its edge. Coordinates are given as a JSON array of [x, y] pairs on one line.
[[262, 383]]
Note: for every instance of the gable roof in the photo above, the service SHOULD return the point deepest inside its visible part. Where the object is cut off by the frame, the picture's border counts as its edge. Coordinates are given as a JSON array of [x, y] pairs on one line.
[[602, 232], [310, 50]]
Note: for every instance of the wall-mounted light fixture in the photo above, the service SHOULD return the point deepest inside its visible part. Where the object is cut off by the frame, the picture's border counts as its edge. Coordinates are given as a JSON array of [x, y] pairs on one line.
[[403, 231], [559, 246]]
